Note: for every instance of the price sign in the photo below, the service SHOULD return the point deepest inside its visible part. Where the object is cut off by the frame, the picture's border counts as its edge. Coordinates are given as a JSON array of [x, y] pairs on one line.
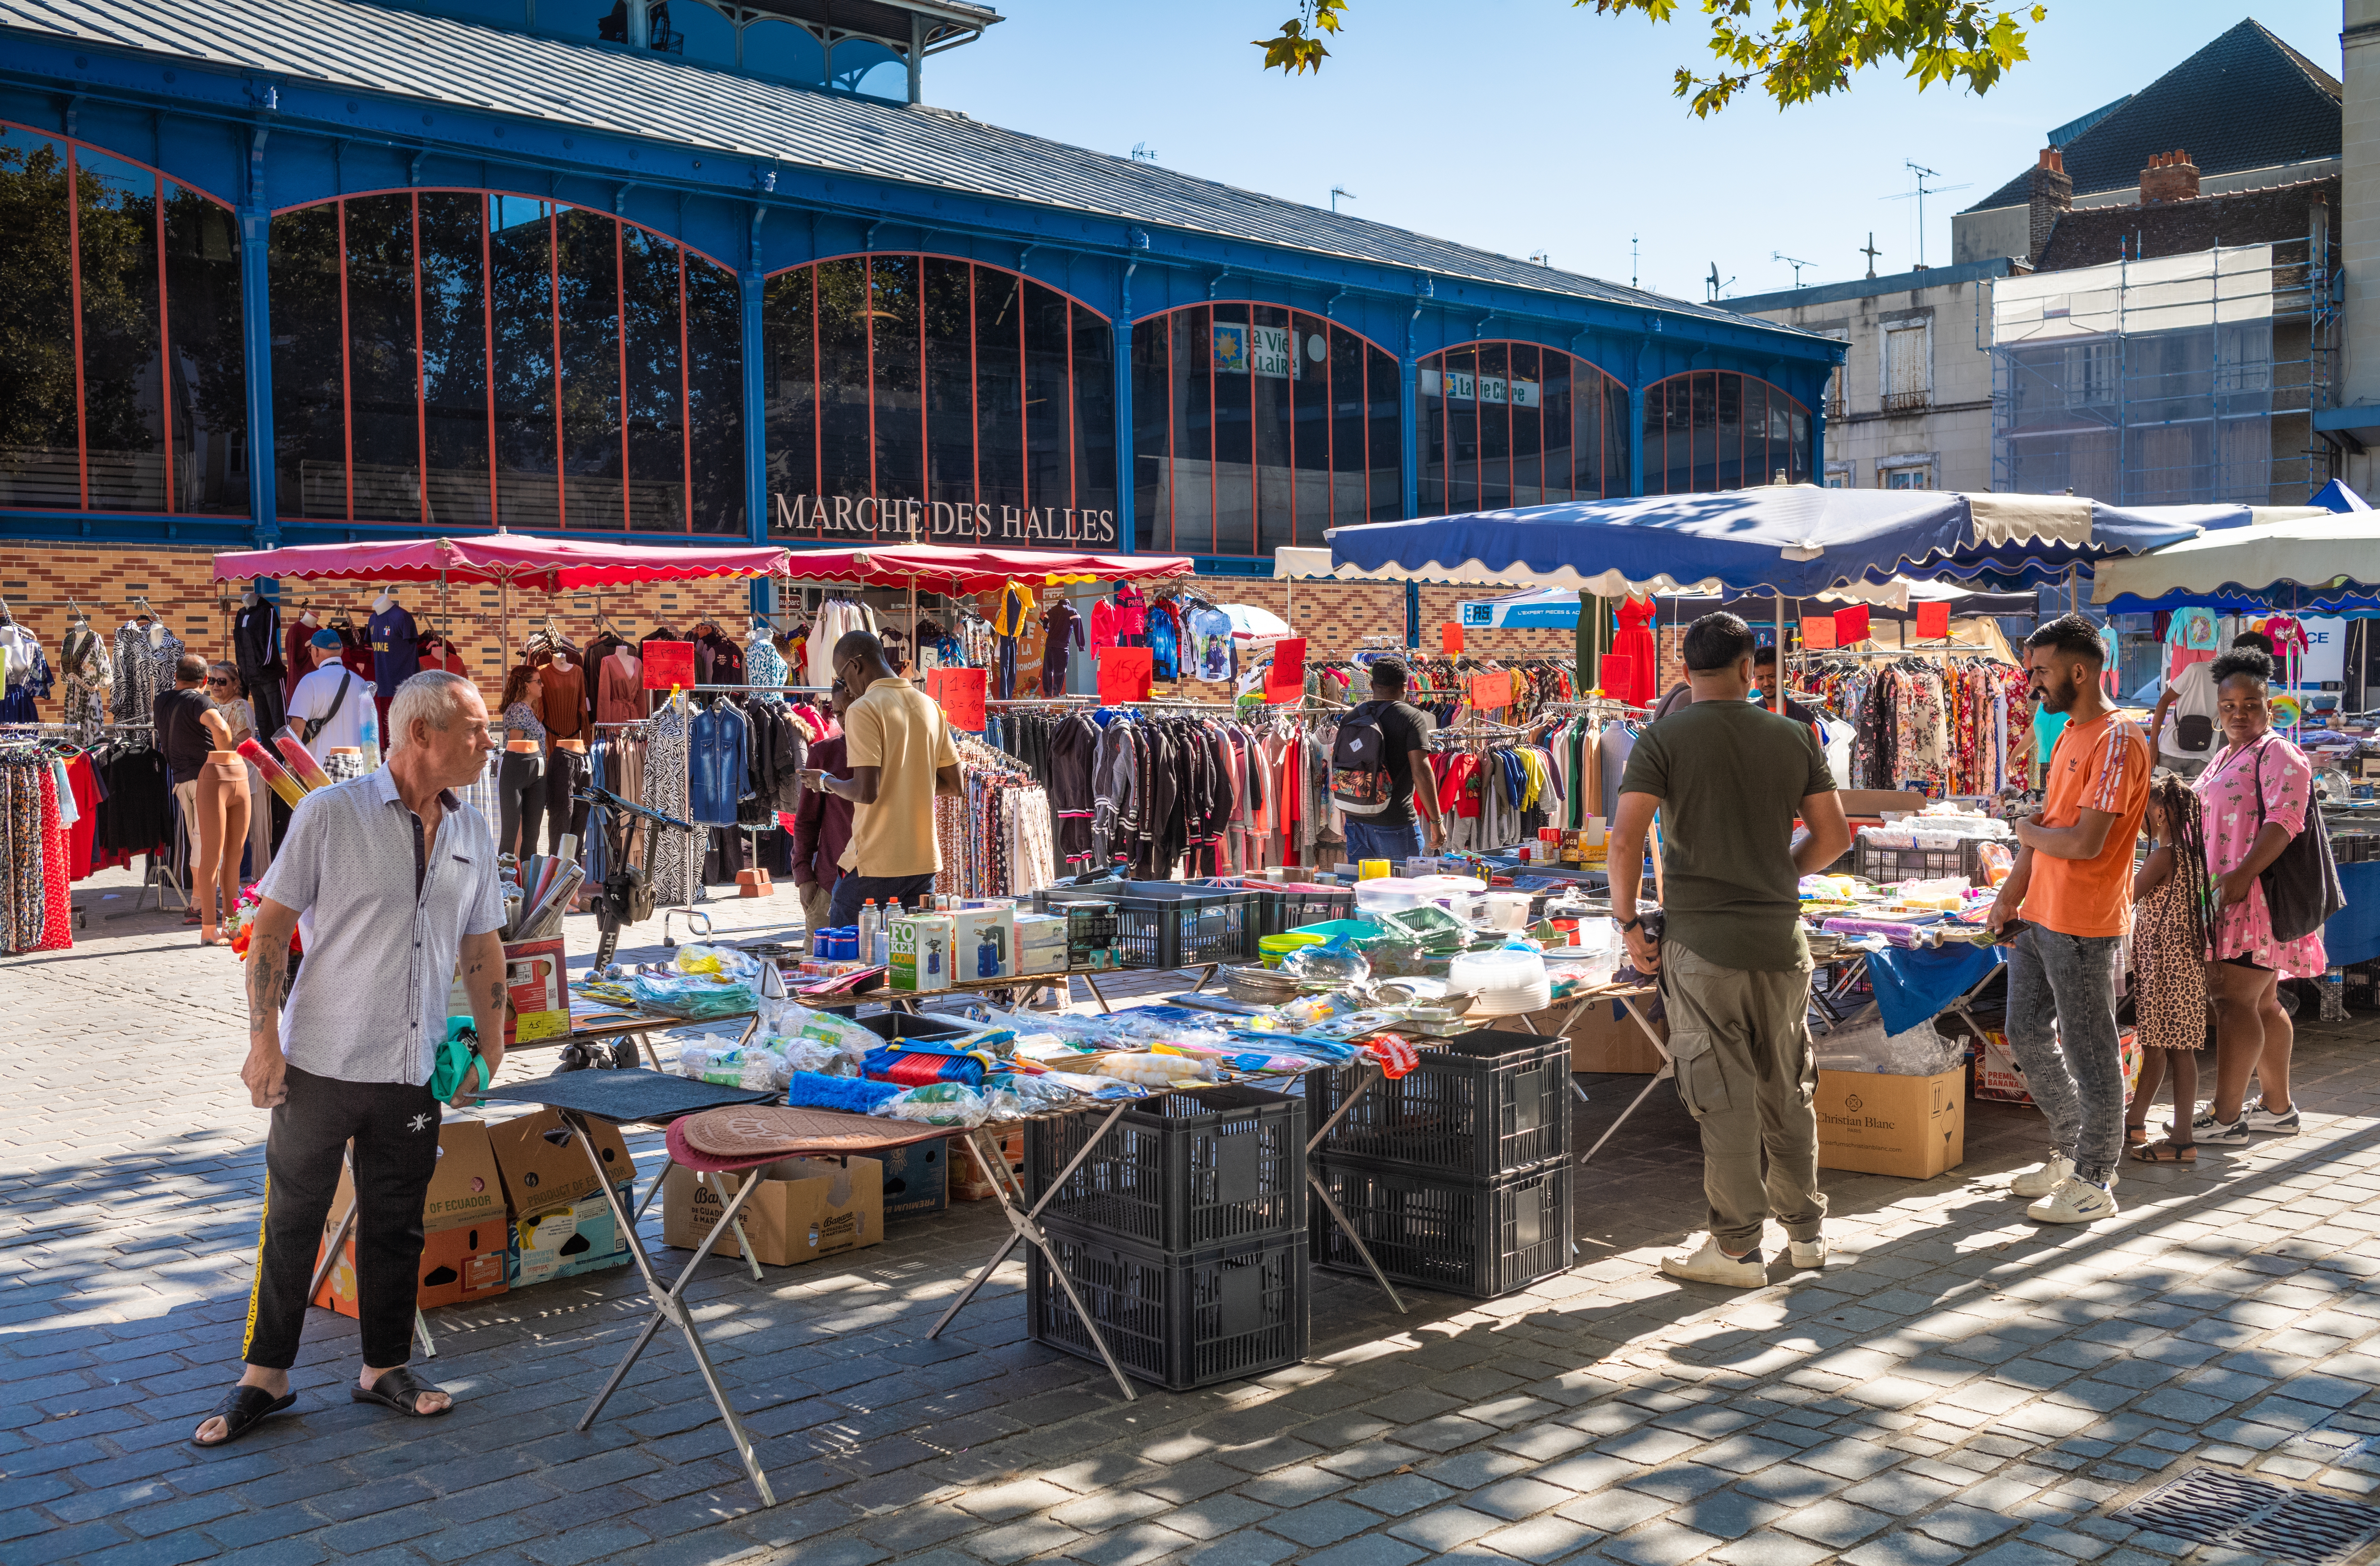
[[1123, 673], [1850, 625], [1818, 631], [959, 693], [1449, 638], [1617, 673], [1491, 692], [668, 664], [1285, 681], [1933, 621]]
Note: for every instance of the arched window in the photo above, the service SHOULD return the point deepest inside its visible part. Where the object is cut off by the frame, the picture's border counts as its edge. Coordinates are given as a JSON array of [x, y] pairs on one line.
[[1506, 424], [1255, 426], [462, 358], [123, 385], [1716, 430], [915, 396]]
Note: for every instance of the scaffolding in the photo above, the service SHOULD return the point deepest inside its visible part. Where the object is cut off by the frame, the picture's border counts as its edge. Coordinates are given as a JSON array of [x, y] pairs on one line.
[[2181, 379]]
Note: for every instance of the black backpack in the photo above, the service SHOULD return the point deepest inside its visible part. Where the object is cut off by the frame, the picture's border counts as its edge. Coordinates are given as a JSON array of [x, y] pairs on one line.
[[1360, 780], [2301, 887]]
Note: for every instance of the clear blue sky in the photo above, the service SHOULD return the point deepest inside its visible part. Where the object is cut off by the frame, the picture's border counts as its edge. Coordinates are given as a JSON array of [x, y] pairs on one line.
[[1527, 125]]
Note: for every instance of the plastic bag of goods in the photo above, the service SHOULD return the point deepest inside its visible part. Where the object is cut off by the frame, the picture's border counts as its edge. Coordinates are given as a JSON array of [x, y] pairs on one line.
[[1865, 1047], [937, 1103], [1335, 963], [1155, 1070], [751, 1067], [698, 997]]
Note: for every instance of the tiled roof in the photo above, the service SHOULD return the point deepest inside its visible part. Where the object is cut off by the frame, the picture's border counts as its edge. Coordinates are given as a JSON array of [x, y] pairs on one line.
[[2097, 234], [472, 65], [2246, 101]]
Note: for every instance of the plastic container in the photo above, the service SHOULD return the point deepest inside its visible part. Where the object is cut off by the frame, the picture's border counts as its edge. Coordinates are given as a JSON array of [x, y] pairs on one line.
[[1480, 1239], [1504, 982], [1483, 1106], [1272, 949], [1180, 1170], [1508, 910], [1386, 895], [1181, 1321]]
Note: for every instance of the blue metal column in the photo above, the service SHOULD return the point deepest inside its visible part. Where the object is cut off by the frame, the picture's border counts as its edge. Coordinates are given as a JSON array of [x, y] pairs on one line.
[[1412, 615], [1409, 440], [256, 333], [753, 282], [1635, 440], [1127, 464], [1818, 442]]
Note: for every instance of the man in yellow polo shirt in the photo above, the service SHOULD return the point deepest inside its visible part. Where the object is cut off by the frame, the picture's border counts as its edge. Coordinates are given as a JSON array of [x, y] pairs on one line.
[[898, 746]]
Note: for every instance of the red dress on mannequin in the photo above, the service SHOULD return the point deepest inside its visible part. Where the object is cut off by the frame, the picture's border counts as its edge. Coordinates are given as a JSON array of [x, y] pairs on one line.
[[1634, 642]]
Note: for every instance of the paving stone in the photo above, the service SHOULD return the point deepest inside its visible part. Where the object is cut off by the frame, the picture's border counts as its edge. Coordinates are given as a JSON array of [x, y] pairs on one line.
[[1446, 1527], [1323, 1521]]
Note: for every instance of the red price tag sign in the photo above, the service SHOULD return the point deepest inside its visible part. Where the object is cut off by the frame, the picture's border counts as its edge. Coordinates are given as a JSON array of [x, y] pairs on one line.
[[668, 665], [1850, 625], [1123, 673], [1818, 630], [959, 693], [1617, 671], [1449, 638], [1285, 681], [1933, 621], [1491, 692]]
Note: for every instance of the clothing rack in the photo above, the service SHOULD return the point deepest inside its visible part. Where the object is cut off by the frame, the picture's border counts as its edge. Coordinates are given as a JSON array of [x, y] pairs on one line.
[[1918, 650]]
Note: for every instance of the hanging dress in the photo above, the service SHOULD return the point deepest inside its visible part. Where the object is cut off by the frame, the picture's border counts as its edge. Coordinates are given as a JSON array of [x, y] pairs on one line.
[[1633, 641]]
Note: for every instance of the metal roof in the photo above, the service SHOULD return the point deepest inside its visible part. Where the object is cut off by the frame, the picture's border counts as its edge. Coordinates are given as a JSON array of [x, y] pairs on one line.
[[356, 46]]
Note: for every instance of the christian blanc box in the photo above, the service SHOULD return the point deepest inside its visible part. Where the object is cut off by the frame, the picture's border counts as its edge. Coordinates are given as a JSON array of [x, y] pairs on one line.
[[1915, 1127]]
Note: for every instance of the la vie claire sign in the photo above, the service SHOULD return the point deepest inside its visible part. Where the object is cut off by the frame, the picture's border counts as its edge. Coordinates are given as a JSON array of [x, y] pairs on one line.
[[890, 517]]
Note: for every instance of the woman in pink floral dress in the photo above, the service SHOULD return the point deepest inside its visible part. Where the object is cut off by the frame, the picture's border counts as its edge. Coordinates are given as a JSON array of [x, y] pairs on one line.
[[2256, 796]]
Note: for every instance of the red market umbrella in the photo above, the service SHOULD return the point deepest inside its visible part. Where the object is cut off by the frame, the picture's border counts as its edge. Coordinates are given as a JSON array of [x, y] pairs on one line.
[[954, 569]]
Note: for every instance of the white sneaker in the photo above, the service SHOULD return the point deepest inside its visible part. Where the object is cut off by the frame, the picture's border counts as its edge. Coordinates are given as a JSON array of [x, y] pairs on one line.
[[2043, 1178], [2261, 1119], [1708, 1264], [1810, 1253], [2074, 1201]]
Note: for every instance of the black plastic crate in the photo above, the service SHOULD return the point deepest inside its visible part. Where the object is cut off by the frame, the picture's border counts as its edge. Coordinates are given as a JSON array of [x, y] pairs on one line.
[[1281, 909], [1883, 866], [896, 1026], [1482, 1106], [1174, 932], [1180, 1320], [1178, 1171], [1476, 1238]]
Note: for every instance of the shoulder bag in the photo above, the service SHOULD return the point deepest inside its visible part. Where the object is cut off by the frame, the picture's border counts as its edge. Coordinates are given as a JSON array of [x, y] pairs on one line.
[[316, 725], [2301, 887]]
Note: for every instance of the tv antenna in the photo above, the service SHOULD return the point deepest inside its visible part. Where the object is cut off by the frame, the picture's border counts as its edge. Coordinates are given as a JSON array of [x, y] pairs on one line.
[[1339, 191], [1631, 261], [1871, 252], [1142, 153], [1716, 285], [1793, 261], [1919, 195], [1542, 258]]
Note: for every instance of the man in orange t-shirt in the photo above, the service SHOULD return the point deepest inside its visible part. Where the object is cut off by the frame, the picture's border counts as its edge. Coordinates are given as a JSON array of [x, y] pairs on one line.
[[2072, 890]]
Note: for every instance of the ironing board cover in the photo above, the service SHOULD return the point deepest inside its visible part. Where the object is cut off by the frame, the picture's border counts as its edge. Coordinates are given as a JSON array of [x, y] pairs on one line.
[[624, 1096], [763, 1131]]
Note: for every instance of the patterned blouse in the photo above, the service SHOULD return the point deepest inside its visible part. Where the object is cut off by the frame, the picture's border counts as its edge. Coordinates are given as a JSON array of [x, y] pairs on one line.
[[2227, 791], [521, 718]]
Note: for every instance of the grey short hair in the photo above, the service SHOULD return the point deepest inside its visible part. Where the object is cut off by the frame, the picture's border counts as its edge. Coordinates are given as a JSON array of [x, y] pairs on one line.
[[434, 696]]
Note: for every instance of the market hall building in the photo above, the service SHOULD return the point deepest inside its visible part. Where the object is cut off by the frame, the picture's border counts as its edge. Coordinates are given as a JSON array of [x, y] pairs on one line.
[[317, 269]]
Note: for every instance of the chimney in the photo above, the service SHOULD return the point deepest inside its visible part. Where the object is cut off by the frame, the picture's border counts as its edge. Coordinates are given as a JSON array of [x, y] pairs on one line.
[[2170, 176], [2053, 196]]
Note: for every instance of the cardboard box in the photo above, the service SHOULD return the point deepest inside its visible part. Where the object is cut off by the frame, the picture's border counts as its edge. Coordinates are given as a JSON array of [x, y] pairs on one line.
[[968, 1181], [917, 1179], [1605, 1038], [463, 1250], [806, 1209], [1040, 943], [1999, 1078], [545, 1168], [983, 942], [581, 1237], [920, 957], [1915, 1127], [1875, 802]]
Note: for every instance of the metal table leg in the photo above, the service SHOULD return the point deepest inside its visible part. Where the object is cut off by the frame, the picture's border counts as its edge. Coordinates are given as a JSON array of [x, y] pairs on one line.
[[1023, 1223], [1668, 1069], [719, 1189], [669, 1306], [1368, 1075]]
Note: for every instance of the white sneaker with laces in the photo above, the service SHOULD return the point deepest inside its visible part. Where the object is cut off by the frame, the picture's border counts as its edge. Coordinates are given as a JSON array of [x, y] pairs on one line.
[[2283, 1125], [1810, 1253], [2206, 1129], [1708, 1264], [2074, 1201], [2043, 1178]]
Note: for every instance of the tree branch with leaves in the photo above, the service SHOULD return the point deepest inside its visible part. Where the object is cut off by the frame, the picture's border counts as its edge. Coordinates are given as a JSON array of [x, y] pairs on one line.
[[1805, 49]]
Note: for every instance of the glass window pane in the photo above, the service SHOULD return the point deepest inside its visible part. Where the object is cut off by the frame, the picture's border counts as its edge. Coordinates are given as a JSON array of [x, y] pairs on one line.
[[1558, 419], [1495, 426], [847, 472], [1431, 402], [39, 463], [1000, 399], [900, 404], [1095, 454], [1273, 365], [715, 356], [209, 356], [588, 277], [1727, 443], [1229, 342], [1152, 426], [789, 386], [1386, 483], [383, 381], [1462, 388], [781, 49], [950, 399], [1525, 394], [454, 357], [1048, 411], [123, 362], [1311, 389], [521, 295], [1191, 477], [654, 398], [309, 439], [1350, 443]]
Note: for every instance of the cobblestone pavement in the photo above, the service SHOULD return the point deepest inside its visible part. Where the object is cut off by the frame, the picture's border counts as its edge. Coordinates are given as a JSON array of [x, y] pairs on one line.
[[1958, 1385]]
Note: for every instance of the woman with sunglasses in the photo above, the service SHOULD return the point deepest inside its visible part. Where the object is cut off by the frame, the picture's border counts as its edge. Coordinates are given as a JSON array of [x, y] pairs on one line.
[[222, 804]]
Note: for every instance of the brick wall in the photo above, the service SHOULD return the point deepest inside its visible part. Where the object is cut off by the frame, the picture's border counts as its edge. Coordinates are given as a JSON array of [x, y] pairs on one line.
[[37, 581]]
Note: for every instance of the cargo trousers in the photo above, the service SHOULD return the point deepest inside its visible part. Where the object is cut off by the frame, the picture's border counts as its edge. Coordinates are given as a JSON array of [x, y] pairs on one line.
[[1740, 1039]]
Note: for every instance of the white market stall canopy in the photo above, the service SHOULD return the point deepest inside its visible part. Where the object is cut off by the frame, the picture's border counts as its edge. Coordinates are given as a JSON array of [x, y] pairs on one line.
[[2331, 559]]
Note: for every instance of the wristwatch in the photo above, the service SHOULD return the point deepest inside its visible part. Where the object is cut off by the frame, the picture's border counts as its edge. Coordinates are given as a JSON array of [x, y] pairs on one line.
[[1631, 924]]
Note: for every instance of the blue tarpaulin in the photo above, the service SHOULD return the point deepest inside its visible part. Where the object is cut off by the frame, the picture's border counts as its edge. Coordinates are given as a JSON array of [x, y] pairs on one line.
[[1912, 985]]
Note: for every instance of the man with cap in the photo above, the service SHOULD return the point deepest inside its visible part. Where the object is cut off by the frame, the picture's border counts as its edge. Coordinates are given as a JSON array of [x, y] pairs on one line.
[[333, 706]]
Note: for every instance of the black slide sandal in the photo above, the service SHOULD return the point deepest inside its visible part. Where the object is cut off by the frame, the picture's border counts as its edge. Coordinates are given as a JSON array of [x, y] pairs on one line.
[[242, 1410], [397, 1390]]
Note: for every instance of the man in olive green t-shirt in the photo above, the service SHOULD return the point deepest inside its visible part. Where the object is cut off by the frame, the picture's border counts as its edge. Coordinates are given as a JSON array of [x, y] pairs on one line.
[[1727, 779]]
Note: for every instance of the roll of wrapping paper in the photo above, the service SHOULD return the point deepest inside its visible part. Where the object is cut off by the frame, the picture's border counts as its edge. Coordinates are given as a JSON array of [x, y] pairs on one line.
[[276, 776], [302, 760]]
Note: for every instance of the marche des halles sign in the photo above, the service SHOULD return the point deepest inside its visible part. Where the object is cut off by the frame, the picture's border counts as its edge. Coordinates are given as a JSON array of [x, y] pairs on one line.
[[885, 517]]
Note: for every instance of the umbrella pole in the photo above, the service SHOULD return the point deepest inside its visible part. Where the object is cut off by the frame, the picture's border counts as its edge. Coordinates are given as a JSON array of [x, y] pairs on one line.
[[1777, 696]]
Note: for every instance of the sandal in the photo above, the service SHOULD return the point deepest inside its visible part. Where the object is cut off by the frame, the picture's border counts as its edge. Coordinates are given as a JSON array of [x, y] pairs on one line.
[[242, 1410], [397, 1390], [2135, 1135], [2166, 1152]]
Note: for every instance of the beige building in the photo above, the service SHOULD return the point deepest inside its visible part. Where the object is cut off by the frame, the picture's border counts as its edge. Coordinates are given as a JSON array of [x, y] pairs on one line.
[[1910, 407]]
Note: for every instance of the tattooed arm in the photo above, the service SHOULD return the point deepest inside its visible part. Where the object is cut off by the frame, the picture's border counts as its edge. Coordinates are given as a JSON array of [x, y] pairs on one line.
[[268, 980], [483, 959]]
